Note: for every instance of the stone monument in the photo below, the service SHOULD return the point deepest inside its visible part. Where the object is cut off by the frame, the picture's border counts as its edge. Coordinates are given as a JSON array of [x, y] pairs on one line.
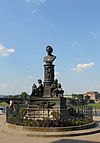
[[48, 71], [48, 96], [46, 106]]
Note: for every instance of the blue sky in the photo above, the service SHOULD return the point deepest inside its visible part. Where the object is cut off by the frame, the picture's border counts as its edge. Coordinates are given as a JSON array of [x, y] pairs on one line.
[[71, 27]]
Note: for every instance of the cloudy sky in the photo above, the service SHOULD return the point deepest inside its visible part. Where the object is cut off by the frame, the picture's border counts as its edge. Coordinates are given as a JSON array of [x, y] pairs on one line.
[[71, 27]]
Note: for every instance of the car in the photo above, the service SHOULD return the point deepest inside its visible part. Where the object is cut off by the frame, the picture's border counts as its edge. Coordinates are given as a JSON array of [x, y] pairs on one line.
[[1, 110]]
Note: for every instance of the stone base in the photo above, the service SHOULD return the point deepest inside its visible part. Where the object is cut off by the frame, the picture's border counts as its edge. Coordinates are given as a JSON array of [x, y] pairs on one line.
[[42, 108]]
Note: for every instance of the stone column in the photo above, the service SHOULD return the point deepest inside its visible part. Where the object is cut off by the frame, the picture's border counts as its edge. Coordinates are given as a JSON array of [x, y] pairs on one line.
[[48, 71]]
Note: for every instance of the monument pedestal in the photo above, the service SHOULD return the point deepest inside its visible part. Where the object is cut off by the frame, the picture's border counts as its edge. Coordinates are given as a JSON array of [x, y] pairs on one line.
[[39, 108], [47, 92], [48, 78]]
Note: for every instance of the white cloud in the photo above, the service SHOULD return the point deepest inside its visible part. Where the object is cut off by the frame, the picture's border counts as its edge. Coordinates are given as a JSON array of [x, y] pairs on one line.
[[98, 86], [78, 59], [94, 33], [29, 77], [82, 67], [5, 51], [56, 74], [35, 1], [34, 11], [73, 44], [5, 85]]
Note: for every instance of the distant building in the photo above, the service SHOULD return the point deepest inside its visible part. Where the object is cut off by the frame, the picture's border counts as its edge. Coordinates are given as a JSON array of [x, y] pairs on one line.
[[94, 95], [68, 96]]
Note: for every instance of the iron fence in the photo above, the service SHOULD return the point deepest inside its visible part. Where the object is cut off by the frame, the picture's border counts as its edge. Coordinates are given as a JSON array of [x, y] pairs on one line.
[[22, 114]]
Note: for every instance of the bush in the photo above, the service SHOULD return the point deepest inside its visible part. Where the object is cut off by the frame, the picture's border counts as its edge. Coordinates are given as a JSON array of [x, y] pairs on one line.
[[49, 123], [18, 117]]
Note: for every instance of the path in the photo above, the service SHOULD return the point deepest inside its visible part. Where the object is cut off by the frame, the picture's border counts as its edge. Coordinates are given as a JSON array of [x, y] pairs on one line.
[[7, 138]]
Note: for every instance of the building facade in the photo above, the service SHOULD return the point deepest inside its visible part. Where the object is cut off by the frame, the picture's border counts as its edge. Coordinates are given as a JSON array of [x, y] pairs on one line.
[[94, 95]]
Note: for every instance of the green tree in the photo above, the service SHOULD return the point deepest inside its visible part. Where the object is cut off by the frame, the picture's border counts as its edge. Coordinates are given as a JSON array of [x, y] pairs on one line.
[[23, 95], [87, 97]]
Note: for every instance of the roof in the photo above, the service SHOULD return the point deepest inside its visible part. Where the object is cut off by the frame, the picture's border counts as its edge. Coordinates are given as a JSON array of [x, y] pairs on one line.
[[92, 92]]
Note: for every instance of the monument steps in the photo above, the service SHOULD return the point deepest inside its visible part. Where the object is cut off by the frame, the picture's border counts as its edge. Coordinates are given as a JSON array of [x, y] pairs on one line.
[[30, 133]]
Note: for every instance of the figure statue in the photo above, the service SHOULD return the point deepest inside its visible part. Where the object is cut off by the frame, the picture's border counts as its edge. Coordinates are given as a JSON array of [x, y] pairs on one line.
[[10, 102], [34, 91], [40, 88], [37, 91], [48, 72], [60, 91], [53, 88], [56, 89], [49, 58]]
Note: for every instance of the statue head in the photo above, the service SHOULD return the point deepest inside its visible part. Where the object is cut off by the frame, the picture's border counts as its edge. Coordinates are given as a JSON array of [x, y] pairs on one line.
[[59, 85], [56, 81], [34, 85], [39, 81], [49, 50]]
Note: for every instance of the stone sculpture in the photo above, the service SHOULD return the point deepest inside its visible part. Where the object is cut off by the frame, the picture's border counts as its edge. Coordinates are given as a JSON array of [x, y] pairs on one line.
[[50, 87], [56, 89], [37, 91]]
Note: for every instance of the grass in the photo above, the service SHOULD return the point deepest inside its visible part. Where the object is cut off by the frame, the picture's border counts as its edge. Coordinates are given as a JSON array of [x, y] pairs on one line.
[[95, 105], [4, 104]]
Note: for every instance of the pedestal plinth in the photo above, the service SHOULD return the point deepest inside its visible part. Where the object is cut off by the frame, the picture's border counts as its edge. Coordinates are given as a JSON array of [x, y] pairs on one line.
[[48, 78], [36, 110]]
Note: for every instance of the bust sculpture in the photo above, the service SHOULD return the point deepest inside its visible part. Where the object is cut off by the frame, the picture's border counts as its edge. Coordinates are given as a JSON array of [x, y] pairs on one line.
[[49, 58], [50, 87], [48, 71]]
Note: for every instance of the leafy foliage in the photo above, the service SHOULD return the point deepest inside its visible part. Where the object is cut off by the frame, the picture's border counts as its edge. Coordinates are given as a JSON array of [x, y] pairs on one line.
[[4, 104], [50, 123], [18, 117], [23, 95], [95, 105], [55, 114]]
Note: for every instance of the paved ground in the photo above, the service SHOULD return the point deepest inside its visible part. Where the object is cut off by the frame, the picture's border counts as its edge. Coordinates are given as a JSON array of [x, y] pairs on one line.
[[7, 138]]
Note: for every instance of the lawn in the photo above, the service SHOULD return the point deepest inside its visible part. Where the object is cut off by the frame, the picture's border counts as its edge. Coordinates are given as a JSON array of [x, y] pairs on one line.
[[4, 104], [95, 105]]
